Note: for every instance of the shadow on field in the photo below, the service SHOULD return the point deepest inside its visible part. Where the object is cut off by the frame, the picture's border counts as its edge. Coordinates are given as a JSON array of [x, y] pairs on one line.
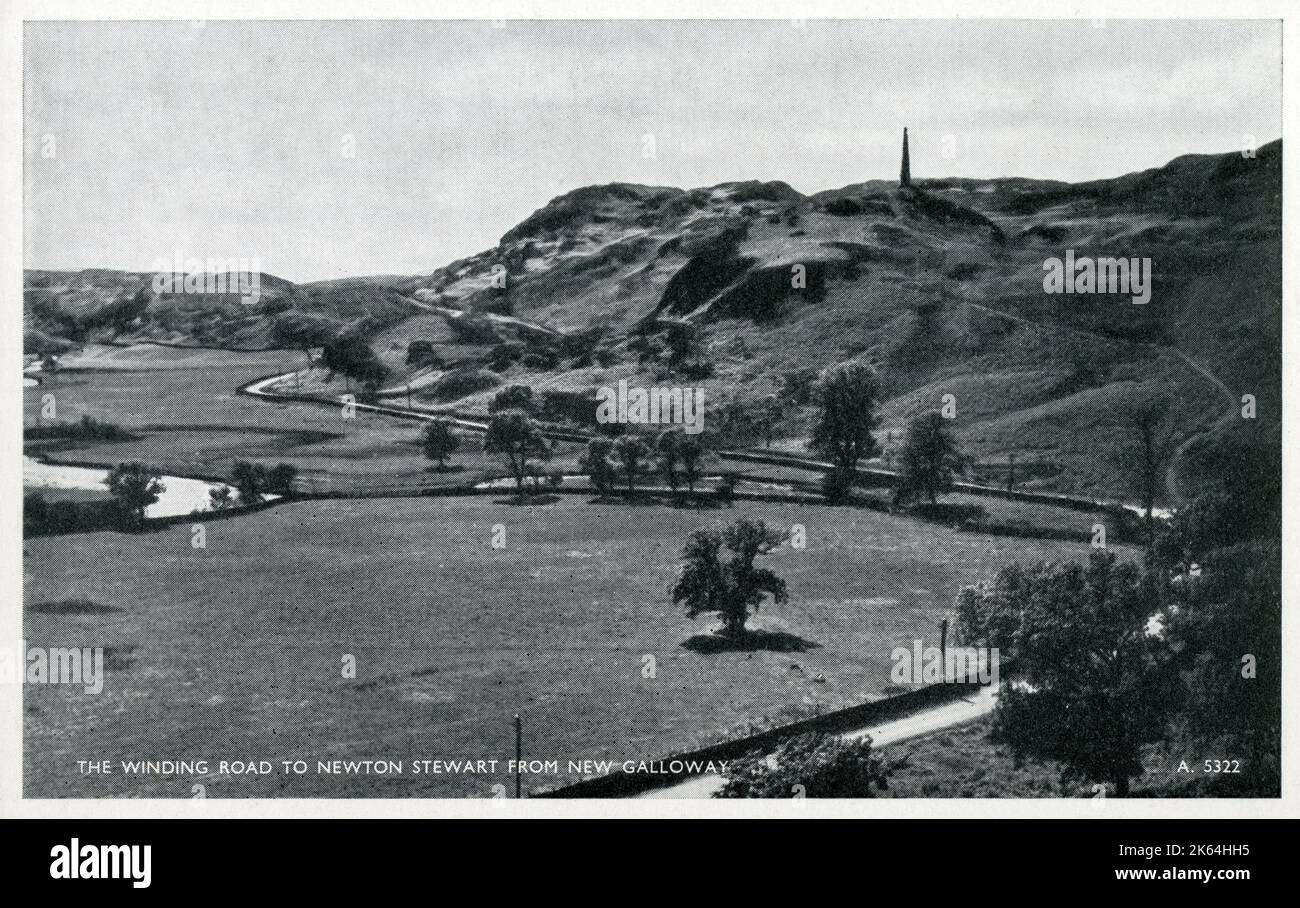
[[680, 501], [516, 501], [72, 607], [637, 500], [773, 641], [119, 658], [695, 503]]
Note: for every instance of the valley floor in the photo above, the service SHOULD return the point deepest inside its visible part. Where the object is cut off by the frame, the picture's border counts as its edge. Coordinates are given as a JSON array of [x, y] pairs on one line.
[[236, 650]]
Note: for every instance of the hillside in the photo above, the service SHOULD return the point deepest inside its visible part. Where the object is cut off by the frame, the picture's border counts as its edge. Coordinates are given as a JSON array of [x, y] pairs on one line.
[[63, 308], [938, 286]]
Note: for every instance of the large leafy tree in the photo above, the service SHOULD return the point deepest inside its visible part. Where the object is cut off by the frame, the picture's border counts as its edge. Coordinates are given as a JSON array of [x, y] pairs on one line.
[[598, 464], [514, 397], [733, 587], [134, 487], [1152, 429], [1088, 686], [439, 441], [771, 412], [667, 446], [631, 451], [1237, 472], [514, 436], [301, 331], [1226, 628], [930, 460], [691, 454], [250, 480], [280, 479], [352, 357], [846, 414], [255, 480]]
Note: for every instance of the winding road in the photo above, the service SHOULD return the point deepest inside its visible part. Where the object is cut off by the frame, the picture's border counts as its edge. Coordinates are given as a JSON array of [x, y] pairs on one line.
[[923, 722], [260, 389]]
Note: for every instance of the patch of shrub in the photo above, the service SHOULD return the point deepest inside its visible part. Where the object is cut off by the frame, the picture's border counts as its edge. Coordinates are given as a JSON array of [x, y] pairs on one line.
[[504, 356], [421, 353], [725, 491], [473, 330], [568, 406], [844, 207], [1052, 233], [836, 487], [696, 370], [463, 382], [51, 518], [40, 343], [86, 429], [544, 361], [815, 765], [948, 212], [118, 315], [52, 317]]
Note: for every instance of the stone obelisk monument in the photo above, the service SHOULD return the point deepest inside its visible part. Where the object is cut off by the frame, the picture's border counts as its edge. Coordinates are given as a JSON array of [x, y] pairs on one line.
[[905, 177]]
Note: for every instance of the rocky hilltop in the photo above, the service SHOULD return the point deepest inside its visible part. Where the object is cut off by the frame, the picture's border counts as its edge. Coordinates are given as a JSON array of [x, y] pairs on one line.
[[748, 289]]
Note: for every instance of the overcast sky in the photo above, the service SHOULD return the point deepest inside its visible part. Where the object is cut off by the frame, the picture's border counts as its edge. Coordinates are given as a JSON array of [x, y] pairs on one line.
[[231, 140]]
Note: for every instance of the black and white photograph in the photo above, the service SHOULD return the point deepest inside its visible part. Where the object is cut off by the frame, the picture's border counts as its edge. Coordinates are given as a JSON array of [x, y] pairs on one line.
[[646, 408]]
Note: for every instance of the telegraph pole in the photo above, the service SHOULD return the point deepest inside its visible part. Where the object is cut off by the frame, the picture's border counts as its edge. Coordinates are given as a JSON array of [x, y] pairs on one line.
[[519, 755]]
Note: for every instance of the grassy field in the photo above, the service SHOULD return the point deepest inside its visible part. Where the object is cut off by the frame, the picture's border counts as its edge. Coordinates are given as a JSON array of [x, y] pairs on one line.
[[183, 407], [235, 651]]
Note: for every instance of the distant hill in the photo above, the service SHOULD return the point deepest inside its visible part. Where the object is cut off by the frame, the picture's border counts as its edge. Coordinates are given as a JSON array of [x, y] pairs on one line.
[[73, 307], [939, 287]]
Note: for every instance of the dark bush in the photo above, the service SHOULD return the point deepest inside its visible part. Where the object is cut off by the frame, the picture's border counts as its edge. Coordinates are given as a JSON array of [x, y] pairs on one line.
[[421, 353], [463, 382], [87, 428], [544, 361], [843, 207], [50, 518], [473, 330], [814, 765], [695, 370]]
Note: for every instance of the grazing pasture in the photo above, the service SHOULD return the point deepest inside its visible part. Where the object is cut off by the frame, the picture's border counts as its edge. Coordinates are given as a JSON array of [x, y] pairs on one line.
[[236, 650]]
